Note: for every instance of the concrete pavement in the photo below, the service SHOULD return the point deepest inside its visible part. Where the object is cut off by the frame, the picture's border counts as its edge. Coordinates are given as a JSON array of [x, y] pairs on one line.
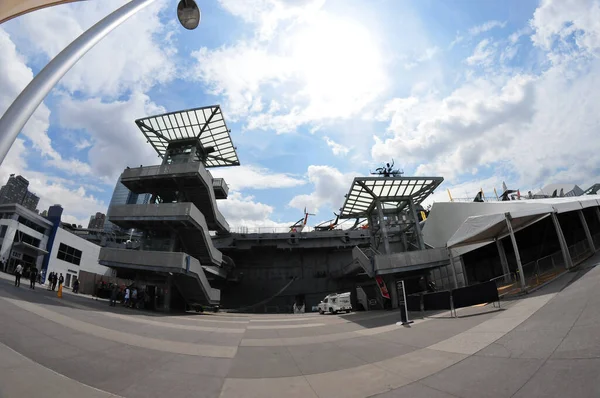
[[545, 345]]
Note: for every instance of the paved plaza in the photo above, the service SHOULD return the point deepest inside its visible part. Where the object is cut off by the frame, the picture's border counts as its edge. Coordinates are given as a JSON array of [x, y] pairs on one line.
[[544, 345]]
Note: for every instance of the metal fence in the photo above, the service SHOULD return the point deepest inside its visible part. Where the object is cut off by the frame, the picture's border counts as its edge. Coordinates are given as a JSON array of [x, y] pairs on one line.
[[548, 267]]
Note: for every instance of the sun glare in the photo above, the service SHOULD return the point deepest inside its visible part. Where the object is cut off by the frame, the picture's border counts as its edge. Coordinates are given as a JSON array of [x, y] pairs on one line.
[[340, 63]]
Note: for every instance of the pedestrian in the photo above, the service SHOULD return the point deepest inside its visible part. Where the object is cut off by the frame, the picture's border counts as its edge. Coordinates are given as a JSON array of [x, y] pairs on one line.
[[33, 272], [61, 279], [76, 285], [134, 297], [113, 295], [18, 272], [49, 279], [126, 297], [54, 280]]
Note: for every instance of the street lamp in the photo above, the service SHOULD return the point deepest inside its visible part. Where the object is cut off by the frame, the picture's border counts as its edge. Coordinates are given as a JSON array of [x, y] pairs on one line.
[[19, 112], [188, 14]]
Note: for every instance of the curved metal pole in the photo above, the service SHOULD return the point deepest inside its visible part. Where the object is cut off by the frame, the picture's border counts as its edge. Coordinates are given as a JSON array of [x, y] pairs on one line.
[[22, 108]]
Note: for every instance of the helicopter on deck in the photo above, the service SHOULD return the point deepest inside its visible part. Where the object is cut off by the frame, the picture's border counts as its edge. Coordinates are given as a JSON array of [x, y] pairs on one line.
[[301, 223], [388, 171]]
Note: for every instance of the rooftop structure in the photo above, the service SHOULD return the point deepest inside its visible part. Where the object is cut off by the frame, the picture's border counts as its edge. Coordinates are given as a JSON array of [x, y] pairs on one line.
[[559, 190], [176, 248], [202, 130]]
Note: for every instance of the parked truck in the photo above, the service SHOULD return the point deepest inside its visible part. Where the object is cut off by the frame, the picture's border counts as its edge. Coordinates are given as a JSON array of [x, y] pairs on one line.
[[335, 303]]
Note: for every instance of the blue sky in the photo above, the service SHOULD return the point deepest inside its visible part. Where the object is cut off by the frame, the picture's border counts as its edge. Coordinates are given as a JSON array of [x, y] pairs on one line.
[[316, 92]]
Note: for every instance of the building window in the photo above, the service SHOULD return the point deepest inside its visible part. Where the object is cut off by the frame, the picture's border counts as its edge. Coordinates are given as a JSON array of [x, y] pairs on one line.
[[69, 254]]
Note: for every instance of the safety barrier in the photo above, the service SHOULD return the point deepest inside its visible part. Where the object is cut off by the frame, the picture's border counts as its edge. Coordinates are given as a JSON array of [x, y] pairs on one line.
[[481, 293]]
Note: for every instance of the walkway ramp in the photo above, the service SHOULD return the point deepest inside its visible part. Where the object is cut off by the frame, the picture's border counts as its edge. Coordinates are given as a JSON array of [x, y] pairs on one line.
[[187, 271], [191, 180], [190, 223]]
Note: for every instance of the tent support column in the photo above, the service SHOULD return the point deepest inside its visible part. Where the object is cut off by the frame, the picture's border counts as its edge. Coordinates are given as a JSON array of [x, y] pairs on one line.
[[516, 249], [597, 212], [588, 235], [452, 267], [563, 243], [503, 260]]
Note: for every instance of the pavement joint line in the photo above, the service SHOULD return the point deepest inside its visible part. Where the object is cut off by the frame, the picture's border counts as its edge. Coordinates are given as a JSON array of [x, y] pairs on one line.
[[37, 364], [127, 338], [174, 325], [274, 327]]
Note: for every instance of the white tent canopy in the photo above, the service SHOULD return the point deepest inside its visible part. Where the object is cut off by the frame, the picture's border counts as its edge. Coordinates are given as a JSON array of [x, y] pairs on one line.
[[487, 228], [446, 218]]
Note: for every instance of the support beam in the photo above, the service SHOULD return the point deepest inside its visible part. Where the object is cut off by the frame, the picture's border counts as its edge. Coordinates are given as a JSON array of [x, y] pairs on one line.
[[418, 233], [503, 260], [453, 268], [383, 228], [597, 209], [393, 289], [563, 242], [516, 249], [17, 115], [588, 235]]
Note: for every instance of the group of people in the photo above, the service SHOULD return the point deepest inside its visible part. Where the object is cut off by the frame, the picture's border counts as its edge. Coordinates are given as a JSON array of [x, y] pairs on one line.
[[53, 279], [130, 297], [33, 276]]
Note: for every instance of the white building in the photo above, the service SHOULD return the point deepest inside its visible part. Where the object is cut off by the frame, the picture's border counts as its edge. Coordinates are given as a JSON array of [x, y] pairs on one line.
[[29, 239], [23, 237], [71, 254]]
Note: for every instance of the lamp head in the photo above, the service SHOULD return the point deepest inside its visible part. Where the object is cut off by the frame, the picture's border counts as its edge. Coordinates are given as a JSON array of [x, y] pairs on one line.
[[188, 14]]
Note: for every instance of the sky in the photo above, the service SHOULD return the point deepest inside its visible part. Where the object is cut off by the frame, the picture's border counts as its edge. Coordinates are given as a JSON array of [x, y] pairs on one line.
[[315, 93]]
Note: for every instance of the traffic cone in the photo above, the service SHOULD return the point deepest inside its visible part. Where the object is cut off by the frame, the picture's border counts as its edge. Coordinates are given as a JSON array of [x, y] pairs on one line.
[[59, 294]]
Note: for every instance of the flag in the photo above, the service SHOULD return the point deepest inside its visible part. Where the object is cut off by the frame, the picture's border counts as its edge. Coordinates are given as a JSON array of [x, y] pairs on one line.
[[382, 287]]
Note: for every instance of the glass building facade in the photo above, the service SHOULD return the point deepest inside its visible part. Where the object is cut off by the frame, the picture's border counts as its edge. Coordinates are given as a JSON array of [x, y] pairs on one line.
[[123, 196]]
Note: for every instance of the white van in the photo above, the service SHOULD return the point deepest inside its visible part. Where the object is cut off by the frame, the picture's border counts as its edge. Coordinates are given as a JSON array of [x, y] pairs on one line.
[[335, 303]]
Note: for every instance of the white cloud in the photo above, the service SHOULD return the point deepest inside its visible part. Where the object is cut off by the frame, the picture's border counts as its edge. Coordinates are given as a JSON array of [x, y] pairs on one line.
[[482, 55], [337, 149], [267, 15], [110, 127], [424, 57], [311, 66], [77, 202], [485, 27], [242, 211], [527, 128], [138, 53], [456, 134], [564, 25], [330, 186], [14, 76], [255, 177]]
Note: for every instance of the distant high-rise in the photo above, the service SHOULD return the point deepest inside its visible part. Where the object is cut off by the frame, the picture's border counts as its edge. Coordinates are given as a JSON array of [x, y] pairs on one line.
[[15, 191], [97, 221], [123, 196]]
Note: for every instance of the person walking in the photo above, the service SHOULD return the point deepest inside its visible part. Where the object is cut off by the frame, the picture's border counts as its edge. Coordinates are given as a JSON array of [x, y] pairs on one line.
[[61, 279], [49, 280], [18, 272], [126, 296], [113, 295], [33, 273]]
